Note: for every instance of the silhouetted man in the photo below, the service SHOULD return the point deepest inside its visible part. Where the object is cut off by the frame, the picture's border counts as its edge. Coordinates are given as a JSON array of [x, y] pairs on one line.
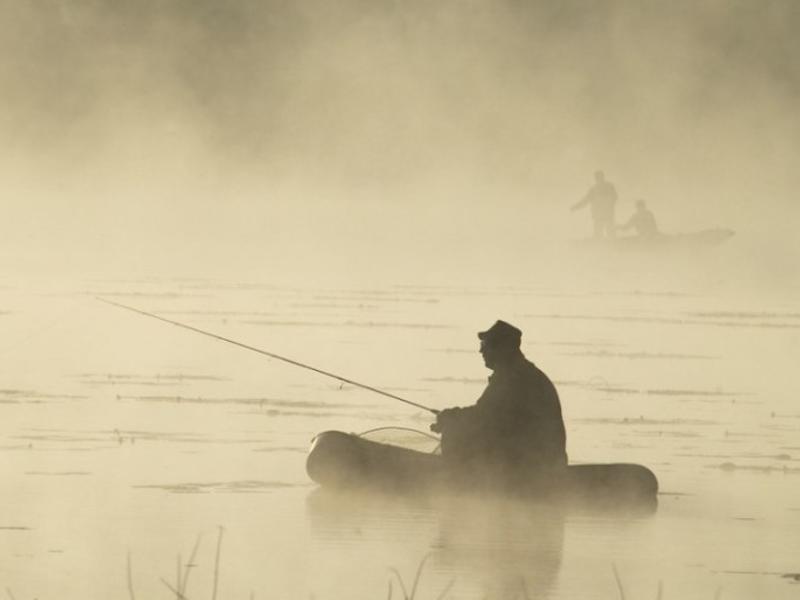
[[601, 198], [642, 221], [514, 434]]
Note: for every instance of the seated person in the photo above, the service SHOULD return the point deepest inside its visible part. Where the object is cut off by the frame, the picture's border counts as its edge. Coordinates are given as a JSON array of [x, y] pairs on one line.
[[643, 221], [514, 434]]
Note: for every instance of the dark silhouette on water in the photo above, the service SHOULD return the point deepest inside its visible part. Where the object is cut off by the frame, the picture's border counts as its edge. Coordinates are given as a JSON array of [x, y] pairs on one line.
[[512, 442], [643, 221], [649, 237], [601, 198], [515, 431]]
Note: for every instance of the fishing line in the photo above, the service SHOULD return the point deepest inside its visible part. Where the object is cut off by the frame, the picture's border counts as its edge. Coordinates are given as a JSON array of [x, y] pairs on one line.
[[269, 354]]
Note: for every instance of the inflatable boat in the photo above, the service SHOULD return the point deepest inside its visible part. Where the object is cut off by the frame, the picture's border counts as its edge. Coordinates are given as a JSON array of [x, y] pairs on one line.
[[347, 461]]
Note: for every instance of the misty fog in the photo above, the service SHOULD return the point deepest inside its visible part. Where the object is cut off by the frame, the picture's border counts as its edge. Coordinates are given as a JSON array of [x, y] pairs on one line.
[[245, 137], [363, 186]]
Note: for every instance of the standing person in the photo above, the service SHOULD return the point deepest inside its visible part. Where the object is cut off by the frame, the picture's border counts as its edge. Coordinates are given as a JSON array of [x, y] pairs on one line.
[[601, 197], [514, 434]]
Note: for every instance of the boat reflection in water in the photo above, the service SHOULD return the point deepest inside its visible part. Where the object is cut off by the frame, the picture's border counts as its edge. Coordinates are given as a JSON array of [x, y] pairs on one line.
[[488, 546], [393, 501], [491, 548]]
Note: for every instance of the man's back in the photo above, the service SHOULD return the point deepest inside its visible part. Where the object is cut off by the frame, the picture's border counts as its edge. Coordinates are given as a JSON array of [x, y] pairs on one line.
[[516, 426], [522, 415], [602, 196]]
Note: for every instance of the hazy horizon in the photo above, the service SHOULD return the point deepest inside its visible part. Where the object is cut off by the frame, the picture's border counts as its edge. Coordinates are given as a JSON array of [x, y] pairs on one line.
[[361, 186], [194, 137]]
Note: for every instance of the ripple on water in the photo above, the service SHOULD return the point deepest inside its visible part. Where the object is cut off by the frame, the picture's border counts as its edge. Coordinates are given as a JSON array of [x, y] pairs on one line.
[[359, 324], [641, 355], [230, 487], [679, 392], [137, 379], [302, 450], [468, 380], [106, 439], [729, 466], [12, 396], [58, 473], [644, 421], [729, 323], [257, 401]]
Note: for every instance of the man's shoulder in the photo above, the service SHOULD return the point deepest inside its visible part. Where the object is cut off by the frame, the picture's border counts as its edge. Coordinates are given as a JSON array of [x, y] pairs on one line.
[[535, 377], [528, 369]]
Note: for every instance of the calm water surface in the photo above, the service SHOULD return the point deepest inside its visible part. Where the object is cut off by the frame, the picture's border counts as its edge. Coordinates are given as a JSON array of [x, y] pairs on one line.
[[135, 451]]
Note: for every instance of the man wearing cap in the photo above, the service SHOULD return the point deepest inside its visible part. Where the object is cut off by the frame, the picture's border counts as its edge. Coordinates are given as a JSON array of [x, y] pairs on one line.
[[514, 434]]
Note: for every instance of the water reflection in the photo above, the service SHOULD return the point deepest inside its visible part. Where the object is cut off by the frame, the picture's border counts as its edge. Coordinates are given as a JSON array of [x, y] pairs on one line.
[[507, 549], [491, 547]]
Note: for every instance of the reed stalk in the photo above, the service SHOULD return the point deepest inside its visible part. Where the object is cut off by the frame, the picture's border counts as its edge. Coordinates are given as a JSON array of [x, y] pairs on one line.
[[130, 579], [216, 563]]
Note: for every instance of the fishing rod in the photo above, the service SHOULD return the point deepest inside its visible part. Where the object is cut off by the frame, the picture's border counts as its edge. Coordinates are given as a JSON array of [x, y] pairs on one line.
[[269, 354]]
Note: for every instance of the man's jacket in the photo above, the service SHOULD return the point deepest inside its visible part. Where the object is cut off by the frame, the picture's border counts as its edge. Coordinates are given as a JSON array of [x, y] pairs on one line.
[[516, 424]]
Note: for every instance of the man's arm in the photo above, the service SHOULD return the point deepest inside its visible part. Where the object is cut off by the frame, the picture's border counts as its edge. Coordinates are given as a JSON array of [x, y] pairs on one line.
[[581, 203], [585, 200], [450, 417], [446, 418]]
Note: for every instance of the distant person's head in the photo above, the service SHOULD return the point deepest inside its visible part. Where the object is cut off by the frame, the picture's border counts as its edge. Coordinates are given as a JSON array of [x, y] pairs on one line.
[[499, 344], [599, 176], [640, 205]]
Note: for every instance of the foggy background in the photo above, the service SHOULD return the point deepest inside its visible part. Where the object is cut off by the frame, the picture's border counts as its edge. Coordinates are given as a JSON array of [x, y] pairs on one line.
[[363, 185], [263, 137]]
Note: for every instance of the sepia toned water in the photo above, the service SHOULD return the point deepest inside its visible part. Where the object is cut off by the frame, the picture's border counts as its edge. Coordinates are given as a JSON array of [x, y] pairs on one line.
[[139, 458]]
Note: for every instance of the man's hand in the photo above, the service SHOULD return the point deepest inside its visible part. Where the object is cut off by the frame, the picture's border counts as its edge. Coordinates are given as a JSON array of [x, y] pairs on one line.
[[444, 418]]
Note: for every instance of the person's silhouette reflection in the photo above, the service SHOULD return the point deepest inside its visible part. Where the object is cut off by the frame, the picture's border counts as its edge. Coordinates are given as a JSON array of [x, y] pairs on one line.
[[505, 549]]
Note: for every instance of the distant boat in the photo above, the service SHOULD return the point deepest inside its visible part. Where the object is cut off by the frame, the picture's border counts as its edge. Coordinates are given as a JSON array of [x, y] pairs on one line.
[[695, 239], [347, 461]]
